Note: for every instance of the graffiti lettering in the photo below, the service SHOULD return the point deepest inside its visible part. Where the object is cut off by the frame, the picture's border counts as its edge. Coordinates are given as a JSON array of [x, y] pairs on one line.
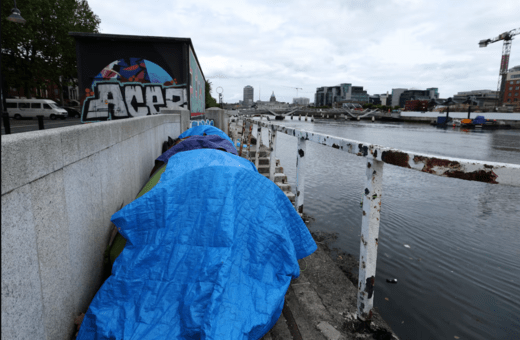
[[113, 100]]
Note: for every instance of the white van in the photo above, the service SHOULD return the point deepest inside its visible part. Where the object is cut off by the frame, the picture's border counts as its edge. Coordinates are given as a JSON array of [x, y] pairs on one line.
[[22, 108]]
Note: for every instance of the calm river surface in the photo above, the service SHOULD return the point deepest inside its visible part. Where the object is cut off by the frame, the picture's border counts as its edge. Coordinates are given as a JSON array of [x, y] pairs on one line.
[[460, 278]]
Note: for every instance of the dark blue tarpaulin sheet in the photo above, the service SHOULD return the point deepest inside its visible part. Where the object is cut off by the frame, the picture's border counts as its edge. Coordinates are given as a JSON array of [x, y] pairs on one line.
[[203, 130], [199, 142], [210, 253], [479, 120]]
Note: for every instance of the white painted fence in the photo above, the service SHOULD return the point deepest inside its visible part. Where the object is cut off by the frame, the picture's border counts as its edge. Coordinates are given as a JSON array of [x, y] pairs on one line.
[[377, 156]]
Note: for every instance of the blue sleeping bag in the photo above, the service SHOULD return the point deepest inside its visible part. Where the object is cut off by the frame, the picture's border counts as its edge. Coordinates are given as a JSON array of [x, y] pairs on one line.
[[203, 130], [199, 142], [210, 253]]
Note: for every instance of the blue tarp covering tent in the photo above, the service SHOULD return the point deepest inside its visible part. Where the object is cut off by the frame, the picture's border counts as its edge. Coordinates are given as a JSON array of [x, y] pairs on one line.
[[203, 130], [479, 120], [210, 253], [199, 142]]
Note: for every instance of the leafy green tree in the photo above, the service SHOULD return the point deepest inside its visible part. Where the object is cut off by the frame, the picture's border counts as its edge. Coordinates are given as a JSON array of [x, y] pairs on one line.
[[210, 101], [41, 49]]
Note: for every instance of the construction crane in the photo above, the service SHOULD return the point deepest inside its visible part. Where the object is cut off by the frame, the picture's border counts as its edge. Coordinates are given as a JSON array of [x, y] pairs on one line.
[[504, 64], [297, 88]]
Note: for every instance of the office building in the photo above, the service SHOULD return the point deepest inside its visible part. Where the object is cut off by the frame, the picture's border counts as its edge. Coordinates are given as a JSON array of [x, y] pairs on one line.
[[248, 95], [301, 101], [484, 98], [401, 96], [327, 95]]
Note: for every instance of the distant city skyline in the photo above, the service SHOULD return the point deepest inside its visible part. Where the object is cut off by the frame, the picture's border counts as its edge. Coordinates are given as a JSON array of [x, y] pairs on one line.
[[273, 46]]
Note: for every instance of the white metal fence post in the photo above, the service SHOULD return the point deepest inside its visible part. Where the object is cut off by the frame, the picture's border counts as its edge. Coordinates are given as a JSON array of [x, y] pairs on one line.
[[258, 144], [272, 149], [300, 178], [369, 237]]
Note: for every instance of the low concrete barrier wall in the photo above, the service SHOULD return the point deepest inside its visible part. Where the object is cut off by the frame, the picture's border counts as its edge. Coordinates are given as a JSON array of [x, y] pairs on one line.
[[220, 118], [59, 189]]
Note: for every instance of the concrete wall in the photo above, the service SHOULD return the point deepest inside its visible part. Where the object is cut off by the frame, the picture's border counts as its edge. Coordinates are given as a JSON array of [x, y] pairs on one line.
[[59, 189], [220, 118]]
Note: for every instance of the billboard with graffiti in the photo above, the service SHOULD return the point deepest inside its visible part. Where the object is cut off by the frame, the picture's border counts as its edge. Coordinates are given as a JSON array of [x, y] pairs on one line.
[[197, 88], [131, 87]]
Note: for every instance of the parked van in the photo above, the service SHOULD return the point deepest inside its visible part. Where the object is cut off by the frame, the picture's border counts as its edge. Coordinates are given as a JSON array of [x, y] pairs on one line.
[[24, 108]]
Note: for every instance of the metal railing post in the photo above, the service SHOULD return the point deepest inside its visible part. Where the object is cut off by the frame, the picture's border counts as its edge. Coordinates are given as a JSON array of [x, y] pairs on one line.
[[369, 238], [242, 138], [7, 123], [272, 149], [250, 132], [300, 178], [258, 144], [40, 122]]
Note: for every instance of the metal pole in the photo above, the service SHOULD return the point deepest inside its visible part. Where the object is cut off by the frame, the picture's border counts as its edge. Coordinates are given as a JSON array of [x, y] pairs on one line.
[[300, 178], [369, 238], [249, 139], [40, 122], [242, 138], [258, 144], [272, 149], [469, 110], [7, 123]]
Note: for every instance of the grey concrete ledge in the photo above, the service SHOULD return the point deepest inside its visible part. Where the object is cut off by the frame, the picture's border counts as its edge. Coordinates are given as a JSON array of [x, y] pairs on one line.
[[31, 155]]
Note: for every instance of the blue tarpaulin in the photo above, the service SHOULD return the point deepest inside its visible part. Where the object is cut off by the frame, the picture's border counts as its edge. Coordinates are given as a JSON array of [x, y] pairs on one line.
[[479, 120], [199, 142], [203, 130], [210, 253]]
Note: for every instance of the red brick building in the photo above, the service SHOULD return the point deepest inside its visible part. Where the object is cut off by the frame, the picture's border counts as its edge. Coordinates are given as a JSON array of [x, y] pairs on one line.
[[512, 90], [416, 105]]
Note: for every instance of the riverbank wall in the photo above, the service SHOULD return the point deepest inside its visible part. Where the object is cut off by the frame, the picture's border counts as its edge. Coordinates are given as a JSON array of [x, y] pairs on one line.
[[59, 189]]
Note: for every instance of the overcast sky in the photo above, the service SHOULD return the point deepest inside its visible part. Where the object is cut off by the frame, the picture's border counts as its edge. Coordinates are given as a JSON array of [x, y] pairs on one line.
[[377, 44]]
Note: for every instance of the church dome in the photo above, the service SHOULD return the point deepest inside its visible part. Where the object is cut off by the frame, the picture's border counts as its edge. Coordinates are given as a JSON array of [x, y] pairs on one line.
[[273, 98]]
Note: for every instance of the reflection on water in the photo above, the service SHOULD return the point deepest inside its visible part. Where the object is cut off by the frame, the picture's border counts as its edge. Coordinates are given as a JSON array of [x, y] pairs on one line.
[[460, 275]]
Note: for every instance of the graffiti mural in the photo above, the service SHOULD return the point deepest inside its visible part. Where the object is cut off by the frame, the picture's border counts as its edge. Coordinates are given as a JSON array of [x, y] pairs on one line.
[[131, 87], [197, 88]]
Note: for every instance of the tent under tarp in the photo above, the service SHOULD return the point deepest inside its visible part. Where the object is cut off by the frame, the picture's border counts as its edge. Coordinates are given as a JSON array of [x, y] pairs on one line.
[[211, 250]]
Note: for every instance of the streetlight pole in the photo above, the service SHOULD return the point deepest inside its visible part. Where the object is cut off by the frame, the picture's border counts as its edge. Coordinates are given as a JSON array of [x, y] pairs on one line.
[[15, 16]]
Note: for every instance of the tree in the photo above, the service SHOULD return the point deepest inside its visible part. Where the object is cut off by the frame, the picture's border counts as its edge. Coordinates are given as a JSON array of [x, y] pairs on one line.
[[41, 50], [210, 101]]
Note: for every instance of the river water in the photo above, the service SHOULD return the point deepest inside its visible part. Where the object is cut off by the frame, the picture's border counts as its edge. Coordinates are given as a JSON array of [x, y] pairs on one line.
[[460, 276]]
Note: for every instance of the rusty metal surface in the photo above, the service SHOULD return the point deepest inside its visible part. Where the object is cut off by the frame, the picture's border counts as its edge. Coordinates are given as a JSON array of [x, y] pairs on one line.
[[465, 169]]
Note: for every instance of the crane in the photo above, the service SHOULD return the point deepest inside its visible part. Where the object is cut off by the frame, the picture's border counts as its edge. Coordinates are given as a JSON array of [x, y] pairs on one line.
[[297, 88], [504, 64]]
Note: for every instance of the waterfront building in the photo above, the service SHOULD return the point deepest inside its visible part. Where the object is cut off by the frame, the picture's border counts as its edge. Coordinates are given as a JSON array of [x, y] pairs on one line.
[[374, 99], [416, 105], [248, 95], [396, 93], [512, 90], [484, 98], [327, 95], [385, 98], [272, 104], [401, 97], [301, 101]]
